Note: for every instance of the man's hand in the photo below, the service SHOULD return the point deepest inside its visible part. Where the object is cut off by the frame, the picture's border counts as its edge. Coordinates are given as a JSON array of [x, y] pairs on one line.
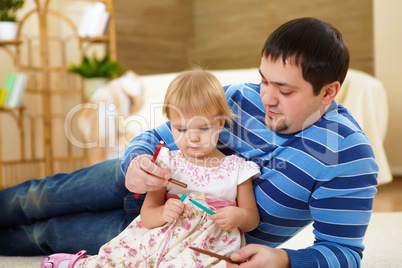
[[260, 256], [142, 175]]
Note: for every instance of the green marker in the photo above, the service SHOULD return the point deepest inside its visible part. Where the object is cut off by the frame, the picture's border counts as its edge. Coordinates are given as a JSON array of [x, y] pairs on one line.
[[183, 197], [210, 212]]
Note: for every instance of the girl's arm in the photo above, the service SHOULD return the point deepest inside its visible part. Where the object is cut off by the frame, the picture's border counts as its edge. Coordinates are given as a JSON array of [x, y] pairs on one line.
[[246, 201], [155, 212], [245, 216]]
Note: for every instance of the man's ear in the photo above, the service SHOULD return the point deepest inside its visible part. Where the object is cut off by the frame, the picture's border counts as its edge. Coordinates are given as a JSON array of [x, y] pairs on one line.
[[330, 91]]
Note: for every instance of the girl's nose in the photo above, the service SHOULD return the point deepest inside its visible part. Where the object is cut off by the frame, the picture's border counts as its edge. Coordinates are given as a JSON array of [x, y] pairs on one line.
[[194, 136]]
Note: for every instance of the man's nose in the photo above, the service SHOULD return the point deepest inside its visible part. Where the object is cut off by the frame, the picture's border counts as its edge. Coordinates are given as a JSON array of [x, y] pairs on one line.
[[269, 96]]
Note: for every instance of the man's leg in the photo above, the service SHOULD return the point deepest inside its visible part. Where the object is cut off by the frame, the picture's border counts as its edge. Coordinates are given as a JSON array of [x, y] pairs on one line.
[[96, 188], [66, 212], [66, 234]]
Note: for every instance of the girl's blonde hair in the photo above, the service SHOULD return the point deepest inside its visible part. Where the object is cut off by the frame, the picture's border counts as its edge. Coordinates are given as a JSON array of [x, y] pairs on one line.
[[195, 92]]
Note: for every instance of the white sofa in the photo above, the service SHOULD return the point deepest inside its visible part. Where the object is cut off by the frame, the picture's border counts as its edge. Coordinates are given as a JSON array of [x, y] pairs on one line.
[[154, 89], [361, 93]]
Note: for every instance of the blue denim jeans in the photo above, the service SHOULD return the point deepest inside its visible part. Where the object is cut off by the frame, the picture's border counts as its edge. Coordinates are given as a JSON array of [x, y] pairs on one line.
[[66, 212]]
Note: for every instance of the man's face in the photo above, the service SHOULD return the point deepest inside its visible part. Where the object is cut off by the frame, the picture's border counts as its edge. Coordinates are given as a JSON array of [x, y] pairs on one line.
[[290, 105]]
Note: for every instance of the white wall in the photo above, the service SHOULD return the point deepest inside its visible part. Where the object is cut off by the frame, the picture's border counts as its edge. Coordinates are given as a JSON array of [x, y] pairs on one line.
[[388, 68]]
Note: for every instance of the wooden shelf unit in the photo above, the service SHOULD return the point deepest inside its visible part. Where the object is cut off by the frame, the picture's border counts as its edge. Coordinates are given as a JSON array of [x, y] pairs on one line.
[[52, 88]]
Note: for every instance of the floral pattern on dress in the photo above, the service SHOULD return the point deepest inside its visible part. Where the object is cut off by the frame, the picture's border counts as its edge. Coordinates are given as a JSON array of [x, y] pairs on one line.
[[168, 245], [202, 176]]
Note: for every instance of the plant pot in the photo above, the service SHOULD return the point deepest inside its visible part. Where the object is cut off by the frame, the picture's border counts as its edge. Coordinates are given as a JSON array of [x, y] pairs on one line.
[[8, 30], [92, 84]]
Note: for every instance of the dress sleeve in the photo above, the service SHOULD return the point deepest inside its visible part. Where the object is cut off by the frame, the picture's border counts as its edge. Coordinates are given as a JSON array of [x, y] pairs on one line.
[[165, 156], [247, 170]]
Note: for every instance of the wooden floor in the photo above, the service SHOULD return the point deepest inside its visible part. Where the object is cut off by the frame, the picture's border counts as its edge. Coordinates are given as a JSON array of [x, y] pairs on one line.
[[389, 196]]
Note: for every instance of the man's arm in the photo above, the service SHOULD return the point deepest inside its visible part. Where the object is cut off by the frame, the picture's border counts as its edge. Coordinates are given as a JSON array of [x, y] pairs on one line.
[[340, 204], [339, 239]]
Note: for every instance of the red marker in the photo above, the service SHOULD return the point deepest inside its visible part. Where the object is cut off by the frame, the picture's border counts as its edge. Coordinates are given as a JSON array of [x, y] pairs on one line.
[[154, 158], [157, 151]]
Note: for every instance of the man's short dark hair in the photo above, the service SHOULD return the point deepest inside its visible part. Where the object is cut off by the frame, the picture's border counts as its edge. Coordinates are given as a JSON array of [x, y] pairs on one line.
[[316, 45]]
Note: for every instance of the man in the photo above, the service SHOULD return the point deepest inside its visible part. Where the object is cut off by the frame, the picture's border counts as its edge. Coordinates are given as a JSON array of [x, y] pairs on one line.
[[316, 164]]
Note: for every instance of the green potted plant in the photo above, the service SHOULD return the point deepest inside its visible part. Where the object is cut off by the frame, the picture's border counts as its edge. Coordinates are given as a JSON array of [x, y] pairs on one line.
[[96, 71], [8, 18]]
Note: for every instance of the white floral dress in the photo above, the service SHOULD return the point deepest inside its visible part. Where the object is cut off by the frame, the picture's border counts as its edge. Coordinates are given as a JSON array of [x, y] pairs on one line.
[[168, 245]]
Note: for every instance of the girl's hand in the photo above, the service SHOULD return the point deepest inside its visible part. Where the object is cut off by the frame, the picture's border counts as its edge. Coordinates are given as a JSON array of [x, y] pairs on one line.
[[228, 217], [172, 209]]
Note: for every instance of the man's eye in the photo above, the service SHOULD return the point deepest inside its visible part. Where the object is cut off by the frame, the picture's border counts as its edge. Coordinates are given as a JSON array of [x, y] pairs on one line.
[[264, 82], [285, 93]]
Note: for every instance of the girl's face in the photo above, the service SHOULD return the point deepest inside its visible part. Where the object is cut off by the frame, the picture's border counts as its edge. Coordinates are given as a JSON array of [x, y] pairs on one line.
[[197, 136]]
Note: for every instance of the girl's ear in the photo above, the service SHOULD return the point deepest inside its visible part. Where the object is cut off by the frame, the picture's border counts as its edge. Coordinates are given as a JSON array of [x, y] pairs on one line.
[[221, 124], [330, 91]]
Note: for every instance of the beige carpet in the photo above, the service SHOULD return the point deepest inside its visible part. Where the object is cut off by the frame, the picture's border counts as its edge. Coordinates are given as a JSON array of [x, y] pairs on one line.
[[383, 244], [383, 241], [20, 262]]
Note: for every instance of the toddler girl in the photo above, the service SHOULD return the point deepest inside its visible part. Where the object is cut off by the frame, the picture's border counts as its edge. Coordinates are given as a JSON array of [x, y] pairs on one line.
[[161, 236]]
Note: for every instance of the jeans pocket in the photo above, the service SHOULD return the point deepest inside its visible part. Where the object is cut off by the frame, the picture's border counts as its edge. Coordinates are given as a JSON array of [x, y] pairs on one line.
[[133, 205]]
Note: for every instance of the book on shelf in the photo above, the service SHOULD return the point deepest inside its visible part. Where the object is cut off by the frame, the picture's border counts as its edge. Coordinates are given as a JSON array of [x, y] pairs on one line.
[[15, 85], [94, 21], [102, 25], [3, 94], [8, 85]]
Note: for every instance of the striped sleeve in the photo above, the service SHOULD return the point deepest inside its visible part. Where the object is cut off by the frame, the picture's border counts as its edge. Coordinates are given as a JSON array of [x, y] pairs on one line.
[[146, 143], [340, 202], [341, 207]]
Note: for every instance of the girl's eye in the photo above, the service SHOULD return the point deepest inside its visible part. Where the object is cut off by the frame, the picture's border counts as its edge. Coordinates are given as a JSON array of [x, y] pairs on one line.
[[181, 129], [264, 82], [204, 129]]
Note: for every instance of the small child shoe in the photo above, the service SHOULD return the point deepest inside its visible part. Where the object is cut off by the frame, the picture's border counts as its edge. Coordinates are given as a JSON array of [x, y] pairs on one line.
[[54, 260]]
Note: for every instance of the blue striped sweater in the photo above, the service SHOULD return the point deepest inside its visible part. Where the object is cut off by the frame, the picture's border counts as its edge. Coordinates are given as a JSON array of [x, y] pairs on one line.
[[325, 174]]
